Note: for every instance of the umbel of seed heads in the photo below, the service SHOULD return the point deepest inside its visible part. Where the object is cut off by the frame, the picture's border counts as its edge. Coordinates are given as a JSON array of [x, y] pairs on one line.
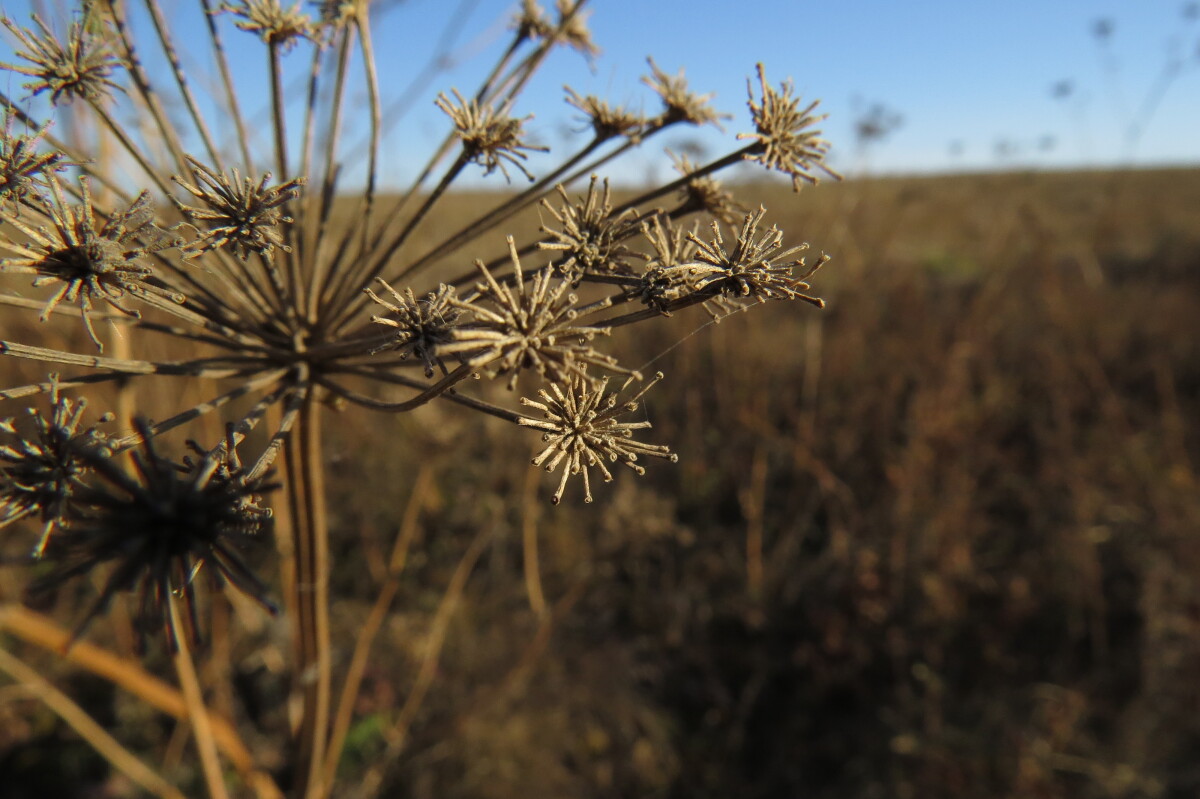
[[423, 327], [22, 167], [581, 431], [45, 464], [786, 140], [158, 528], [82, 68], [90, 261], [528, 325], [238, 212], [489, 136]]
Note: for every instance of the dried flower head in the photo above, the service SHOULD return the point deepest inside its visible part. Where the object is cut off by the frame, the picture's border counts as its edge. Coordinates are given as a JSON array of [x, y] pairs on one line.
[[338, 13], [666, 277], [22, 167], [679, 103], [274, 24], [705, 193], [489, 137], [159, 526], [90, 259], [422, 326], [753, 268], [531, 21], [42, 468], [785, 139], [589, 236], [572, 29], [82, 68], [530, 324], [579, 420], [240, 213], [606, 121]]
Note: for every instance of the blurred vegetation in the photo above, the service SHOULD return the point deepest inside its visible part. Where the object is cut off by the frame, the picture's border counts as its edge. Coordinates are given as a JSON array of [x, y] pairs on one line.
[[937, 540]]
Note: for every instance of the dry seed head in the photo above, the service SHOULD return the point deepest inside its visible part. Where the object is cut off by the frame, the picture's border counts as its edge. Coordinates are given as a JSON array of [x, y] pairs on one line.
[[666, 277], [679, 103], [580, 428], [572, 29], [607, 122], [273, 23], [754, 267], [245, 215], [422, 326], [81, 68], [159, 525], [22, 167], [89, 259], [531, 21], [705, 194], [489, 137], [785, 139], [527, 325], [588, 236], [40, 471]]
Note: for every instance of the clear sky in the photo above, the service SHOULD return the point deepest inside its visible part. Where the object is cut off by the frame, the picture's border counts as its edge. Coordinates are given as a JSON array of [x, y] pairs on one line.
[[974, 84]]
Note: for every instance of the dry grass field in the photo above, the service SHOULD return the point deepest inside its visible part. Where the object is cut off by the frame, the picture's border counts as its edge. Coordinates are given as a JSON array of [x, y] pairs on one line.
[[937, 540]]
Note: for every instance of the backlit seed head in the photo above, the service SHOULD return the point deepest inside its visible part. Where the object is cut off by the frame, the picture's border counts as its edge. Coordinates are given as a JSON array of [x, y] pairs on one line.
[[489, 137], [273, 23], [44, 463], [91, 260], [82, 67], [680, 104], [786, 140], [159, 525]]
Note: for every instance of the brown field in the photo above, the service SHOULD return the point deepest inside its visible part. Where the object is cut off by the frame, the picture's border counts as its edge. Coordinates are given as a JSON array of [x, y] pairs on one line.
[[937, 540]]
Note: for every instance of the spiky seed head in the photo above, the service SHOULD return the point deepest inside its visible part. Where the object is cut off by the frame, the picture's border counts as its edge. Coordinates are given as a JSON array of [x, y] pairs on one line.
[[579, 423], [784, 134], [489, 137], [422, 326], [606, 121], [91, 260], [274, 24], [527, 324], [23, 168], [82, 67], [239, 212], [159, 525], [589, 237], [753, 267], [680, 104], [705, 194], [45, 462]]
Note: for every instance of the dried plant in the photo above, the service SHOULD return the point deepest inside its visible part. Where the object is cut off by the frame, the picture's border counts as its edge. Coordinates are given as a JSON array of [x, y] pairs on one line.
[[260, 296]]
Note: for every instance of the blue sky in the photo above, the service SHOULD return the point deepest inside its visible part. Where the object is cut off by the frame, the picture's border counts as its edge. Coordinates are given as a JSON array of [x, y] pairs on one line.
[[971, 80]]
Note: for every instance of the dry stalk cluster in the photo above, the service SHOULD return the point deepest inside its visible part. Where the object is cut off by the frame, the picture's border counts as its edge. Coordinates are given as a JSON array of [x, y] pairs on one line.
[[231, 275]]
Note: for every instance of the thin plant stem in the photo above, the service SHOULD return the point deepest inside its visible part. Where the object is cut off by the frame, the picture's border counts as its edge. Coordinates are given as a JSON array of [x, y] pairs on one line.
[[189, 682]]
